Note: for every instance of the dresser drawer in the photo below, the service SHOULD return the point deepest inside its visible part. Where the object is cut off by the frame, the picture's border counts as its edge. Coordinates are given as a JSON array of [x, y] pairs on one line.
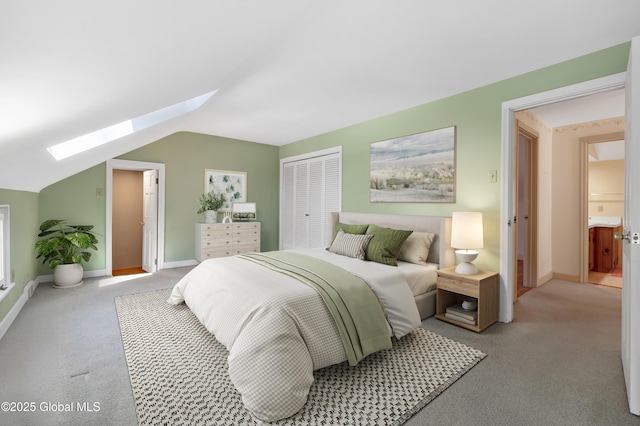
[[246, 234], [246, 248], [216, 243], [216, 233], [458, 286], [245, 229], [215, 252], [215, 226]]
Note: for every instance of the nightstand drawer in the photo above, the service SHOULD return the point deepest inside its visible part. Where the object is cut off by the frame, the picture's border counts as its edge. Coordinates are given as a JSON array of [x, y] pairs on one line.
[[457, 286]]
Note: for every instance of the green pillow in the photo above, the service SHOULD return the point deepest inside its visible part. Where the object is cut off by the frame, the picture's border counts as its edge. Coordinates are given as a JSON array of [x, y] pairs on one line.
[[385, 244], [350, 229]]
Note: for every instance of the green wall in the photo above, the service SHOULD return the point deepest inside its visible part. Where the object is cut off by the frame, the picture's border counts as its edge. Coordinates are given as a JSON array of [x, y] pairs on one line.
[[477, 117], [24, 225], [186, 156], [74, 200]]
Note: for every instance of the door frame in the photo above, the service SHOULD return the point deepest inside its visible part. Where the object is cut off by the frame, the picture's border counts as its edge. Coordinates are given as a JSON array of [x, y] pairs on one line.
[[584, 196], [531, 254], [115, 164], [614, 81]]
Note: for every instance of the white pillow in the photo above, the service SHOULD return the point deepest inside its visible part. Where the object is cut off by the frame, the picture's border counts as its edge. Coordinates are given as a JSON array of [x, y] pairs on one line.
[[352, 245], [415, 248]]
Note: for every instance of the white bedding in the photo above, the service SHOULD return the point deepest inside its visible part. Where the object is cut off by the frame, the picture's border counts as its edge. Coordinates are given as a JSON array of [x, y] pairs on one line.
[[278, 330], [420, 278]]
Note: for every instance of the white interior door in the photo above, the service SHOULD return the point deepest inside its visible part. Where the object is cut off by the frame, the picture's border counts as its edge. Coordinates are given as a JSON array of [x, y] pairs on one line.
[[150, 221], [631, 225]]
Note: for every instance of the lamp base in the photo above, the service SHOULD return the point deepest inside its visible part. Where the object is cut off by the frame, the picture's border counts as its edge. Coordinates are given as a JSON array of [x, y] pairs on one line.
[[465, 267]]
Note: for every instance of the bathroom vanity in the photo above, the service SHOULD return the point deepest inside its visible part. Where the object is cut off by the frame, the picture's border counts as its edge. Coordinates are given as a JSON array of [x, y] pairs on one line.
[[604, 251]]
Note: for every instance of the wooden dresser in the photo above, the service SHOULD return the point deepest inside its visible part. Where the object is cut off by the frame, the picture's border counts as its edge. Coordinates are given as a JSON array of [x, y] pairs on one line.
[[226, 239]]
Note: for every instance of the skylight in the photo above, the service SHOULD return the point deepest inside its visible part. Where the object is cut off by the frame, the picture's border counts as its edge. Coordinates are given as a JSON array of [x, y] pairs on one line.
[[125, 128]]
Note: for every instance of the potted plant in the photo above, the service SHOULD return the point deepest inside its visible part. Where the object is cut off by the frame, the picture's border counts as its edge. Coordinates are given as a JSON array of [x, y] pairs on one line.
[[209, 205], [64, 248]]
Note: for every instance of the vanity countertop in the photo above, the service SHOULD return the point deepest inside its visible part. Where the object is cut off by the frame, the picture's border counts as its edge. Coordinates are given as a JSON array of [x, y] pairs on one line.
[[604, 221]]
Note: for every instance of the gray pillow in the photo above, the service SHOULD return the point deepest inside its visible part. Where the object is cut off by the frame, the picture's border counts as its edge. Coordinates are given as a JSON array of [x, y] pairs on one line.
[[352, 245]]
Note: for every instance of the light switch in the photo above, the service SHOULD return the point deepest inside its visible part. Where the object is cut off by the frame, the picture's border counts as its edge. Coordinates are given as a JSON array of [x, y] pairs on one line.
[[493, 176]]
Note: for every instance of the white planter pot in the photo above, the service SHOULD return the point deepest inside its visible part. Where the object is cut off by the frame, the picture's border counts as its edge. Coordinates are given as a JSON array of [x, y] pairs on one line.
[[65, 276], [210, 216]]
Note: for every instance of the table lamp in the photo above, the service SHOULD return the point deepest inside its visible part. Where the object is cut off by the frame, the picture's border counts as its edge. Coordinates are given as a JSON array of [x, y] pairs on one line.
[[466, 234]]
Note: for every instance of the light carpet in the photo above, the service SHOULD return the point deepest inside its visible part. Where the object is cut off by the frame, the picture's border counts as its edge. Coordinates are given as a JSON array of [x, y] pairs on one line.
[[178, 373]]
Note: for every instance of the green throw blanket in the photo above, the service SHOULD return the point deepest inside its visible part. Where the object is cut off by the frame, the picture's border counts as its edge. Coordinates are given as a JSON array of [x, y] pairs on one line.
[[355, 308]]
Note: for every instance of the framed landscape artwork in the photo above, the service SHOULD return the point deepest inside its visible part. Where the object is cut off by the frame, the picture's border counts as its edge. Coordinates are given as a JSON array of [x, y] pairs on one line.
[[417, 168], [232, 184]]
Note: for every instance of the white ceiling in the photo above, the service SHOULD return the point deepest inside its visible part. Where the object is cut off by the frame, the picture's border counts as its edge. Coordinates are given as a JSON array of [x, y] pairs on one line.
[[594, 107], [581, 110], [286, 69], [607, 151]]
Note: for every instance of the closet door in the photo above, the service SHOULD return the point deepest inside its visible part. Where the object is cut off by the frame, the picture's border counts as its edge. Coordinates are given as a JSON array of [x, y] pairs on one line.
[[310, 189], [315, 211], [287, 205], [301, 212], [332, 193]]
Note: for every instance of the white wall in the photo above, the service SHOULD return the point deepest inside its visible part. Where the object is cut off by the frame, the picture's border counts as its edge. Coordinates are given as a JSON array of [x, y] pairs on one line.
[[606, 188]]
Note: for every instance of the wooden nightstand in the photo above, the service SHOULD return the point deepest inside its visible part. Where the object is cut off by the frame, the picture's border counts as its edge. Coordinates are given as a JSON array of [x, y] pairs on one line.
[[453, 287]]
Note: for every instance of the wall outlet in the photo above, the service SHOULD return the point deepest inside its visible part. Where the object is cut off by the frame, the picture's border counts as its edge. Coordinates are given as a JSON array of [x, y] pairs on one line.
[[99, 192], [493, 176], [600, 208]]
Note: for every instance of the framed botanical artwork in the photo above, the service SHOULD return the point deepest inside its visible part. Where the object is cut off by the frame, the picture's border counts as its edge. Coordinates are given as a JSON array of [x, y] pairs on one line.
[[418, 168], [232, 184]]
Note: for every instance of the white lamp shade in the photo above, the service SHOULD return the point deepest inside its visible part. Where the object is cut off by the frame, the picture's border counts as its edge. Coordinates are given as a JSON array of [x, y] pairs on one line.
[[466, 230]]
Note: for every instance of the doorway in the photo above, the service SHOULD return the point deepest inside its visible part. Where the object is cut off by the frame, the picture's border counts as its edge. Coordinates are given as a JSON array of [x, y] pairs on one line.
[[127, 219], [154, 252], [525, 240], [507, 182], [603, 204]]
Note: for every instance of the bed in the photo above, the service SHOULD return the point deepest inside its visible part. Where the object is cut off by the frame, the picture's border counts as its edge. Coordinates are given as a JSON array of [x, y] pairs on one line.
[[440, 254], [278, 331]]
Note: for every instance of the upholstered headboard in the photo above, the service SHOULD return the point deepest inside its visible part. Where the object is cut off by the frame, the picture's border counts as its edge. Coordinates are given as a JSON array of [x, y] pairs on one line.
[[440, 252]]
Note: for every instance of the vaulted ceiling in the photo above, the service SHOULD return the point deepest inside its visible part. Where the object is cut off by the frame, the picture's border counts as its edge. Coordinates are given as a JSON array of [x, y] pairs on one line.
[[286, 70]]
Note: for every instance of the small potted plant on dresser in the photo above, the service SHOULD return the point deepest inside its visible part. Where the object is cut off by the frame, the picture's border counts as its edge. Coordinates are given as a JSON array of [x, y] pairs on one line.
[[209, 205], [64, 248]]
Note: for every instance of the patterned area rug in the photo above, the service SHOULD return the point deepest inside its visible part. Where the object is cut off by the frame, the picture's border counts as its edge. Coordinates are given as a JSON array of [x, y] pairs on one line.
[[179, 376]]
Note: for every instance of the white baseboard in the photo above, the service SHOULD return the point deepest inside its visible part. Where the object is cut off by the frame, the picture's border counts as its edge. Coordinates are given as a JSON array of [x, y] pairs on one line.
[[86, 274], [180, 264], [17, 307]]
